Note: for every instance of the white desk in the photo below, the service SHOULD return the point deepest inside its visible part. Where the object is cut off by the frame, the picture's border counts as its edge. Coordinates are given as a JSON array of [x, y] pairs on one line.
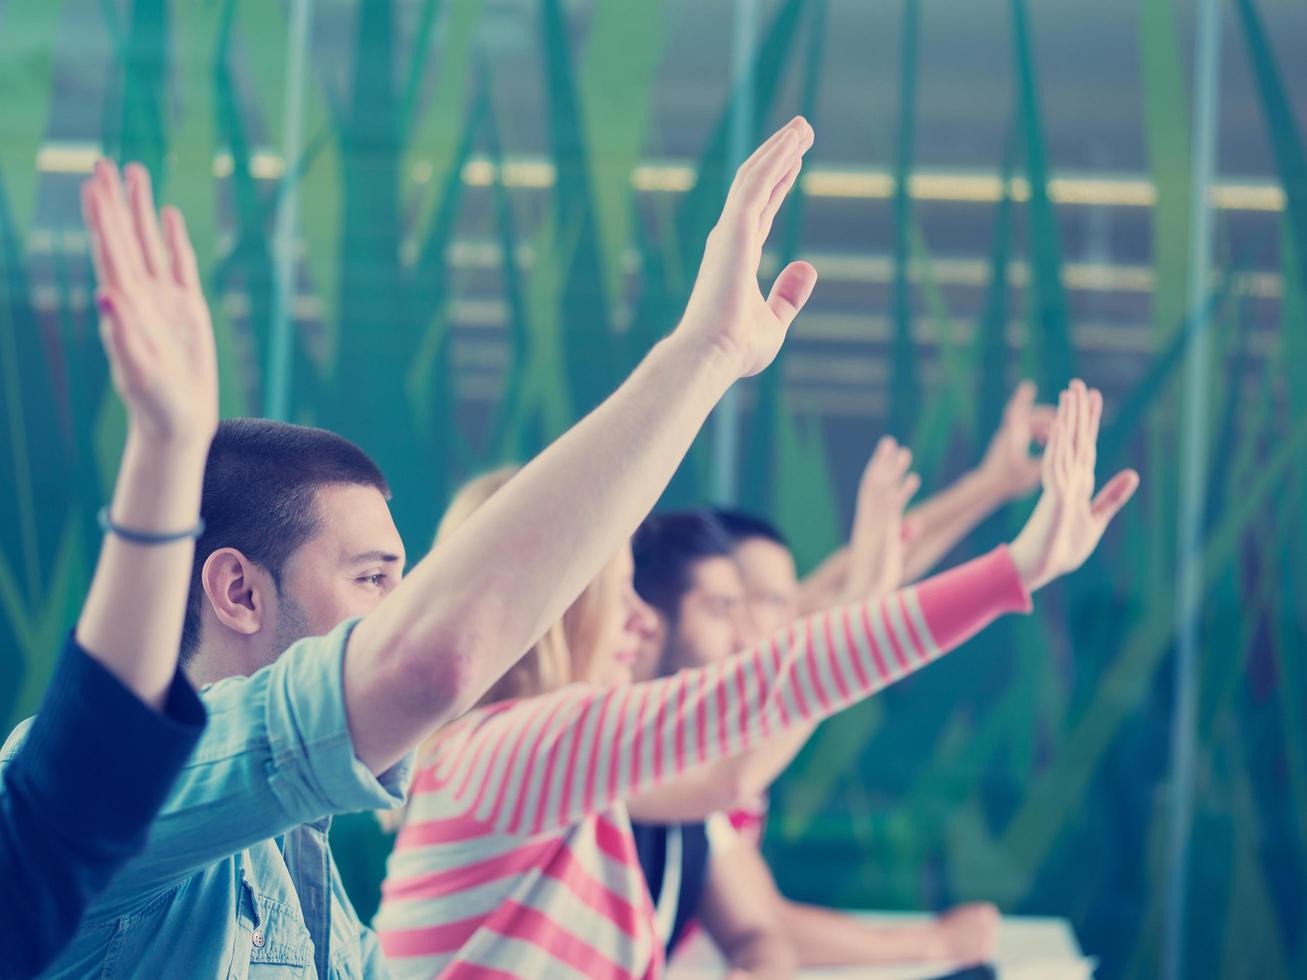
[[1028, 949]]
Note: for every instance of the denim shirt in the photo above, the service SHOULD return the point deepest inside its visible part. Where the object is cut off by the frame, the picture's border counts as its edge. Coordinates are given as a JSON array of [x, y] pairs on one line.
[[211, 894]]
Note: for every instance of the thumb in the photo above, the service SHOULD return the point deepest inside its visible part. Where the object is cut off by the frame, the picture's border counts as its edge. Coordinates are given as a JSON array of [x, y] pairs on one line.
[[1115, 494], [790, 291], [907, 490]]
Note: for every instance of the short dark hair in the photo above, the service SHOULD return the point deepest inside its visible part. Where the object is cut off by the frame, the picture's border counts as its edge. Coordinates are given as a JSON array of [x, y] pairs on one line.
[[742, 527], [666, 547], [260, 496]]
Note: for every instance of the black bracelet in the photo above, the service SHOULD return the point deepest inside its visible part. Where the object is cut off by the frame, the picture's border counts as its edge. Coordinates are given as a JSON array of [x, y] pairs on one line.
[[146, 537]]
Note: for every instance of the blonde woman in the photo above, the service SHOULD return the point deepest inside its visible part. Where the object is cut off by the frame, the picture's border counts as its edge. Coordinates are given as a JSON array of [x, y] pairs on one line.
[[596, 642], [517, 858]]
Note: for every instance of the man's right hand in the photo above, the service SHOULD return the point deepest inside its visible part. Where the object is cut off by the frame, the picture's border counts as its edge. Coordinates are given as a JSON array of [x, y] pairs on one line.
[[470, 609], [727, 312]]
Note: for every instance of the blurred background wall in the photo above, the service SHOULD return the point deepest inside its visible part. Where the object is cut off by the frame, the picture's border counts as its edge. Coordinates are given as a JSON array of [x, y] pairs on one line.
[[445, 228]]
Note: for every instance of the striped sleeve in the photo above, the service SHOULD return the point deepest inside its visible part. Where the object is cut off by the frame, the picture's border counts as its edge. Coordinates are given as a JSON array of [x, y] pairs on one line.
[[546, 762]]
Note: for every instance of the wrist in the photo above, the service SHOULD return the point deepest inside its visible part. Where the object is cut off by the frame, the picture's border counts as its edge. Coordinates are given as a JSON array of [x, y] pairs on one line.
[[693, 357], [159, 483], [169, 451], [989, 487], [935, 944], [1029, 562]]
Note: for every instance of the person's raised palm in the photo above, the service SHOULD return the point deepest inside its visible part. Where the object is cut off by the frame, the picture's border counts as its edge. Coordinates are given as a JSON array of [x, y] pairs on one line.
[[1008, 463], [153, 318], [876, 545], [1069, 520], [727, 310]]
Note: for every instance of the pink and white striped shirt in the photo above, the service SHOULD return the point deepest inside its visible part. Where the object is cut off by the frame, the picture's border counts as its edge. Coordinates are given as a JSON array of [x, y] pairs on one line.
[[516, 859]]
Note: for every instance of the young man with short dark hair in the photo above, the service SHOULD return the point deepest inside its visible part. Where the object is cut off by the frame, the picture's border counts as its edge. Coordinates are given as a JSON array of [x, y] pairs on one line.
[[686, 570], [284, 505]]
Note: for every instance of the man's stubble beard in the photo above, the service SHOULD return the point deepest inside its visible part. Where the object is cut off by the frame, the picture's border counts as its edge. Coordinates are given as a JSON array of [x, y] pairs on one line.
[[292, 624]]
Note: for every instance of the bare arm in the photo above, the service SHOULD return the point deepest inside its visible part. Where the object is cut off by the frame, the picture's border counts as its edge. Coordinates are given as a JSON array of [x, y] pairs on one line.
[[470, 609], [824, 937], [820, 588], [159, 341], [741, 910], [721, 785], [944, 520]]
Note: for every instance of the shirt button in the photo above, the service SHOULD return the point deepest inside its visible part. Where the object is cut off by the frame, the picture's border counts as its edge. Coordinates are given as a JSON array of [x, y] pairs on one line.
[[257, 939]]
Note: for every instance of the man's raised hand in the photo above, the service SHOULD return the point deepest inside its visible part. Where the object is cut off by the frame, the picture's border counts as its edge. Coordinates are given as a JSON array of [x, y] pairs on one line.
[[727, 311]]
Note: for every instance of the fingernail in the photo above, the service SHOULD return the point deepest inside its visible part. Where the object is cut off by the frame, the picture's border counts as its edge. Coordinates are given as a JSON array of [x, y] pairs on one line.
[[104, 304]]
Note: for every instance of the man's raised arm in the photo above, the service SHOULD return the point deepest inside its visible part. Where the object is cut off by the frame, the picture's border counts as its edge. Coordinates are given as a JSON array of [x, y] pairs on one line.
[[473, 606]]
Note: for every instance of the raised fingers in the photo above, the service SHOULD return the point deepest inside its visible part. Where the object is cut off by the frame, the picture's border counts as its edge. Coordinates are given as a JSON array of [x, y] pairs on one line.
[[1048, 463], [1081, 395], [183, 265], [1066, 436], [1022, 398], [1095, 406], [778, 195], [101, 260], [907, 490], [117, 237], [794, 126], [884, 448], [755, 186], [753, 191], [902, 460], [146, 222]]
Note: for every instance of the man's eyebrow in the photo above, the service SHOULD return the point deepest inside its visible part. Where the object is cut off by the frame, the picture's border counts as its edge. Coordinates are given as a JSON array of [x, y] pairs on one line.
[[385, 557]]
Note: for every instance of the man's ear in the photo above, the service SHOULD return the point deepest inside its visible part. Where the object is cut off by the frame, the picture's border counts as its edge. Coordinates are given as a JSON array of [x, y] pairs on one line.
[[236, 590]]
